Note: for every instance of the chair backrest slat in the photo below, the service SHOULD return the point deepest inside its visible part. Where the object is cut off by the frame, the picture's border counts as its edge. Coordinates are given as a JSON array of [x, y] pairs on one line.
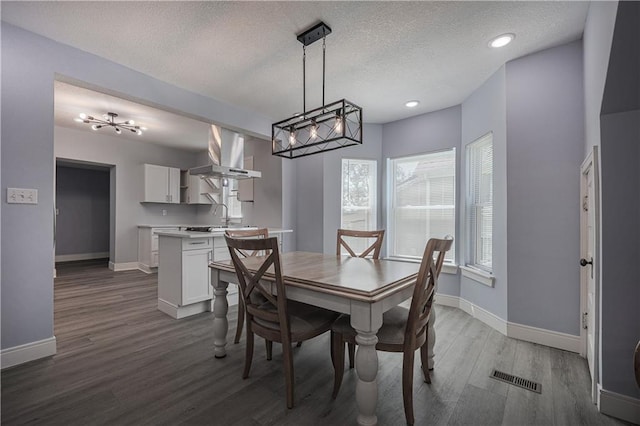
[[424, 291], [249, 233], [276, 308], [372, 251]]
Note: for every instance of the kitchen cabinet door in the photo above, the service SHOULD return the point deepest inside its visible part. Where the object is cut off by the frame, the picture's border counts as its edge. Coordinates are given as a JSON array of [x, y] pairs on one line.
[[196, 279], [161, 184]]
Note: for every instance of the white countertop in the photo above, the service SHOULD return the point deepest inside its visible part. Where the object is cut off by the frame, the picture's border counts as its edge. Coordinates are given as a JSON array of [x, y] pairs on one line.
[[214, 233]]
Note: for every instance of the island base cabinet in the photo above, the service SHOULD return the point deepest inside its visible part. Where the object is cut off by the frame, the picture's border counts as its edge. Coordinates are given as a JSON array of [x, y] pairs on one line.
[[184, 281]]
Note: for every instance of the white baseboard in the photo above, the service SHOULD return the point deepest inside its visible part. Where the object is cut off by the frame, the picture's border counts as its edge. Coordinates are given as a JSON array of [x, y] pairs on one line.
[[125, 266], [28, 352], [620, 406], [146, 268], [554, 339], [178, 312], [81, 256]]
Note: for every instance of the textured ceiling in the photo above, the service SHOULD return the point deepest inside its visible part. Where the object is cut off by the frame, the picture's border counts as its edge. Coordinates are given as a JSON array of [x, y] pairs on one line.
[[380, 54]]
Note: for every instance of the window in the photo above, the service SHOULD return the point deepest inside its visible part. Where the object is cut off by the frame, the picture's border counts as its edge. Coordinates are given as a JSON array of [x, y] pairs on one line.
[[480, 202], [422, 202], [358, 206]]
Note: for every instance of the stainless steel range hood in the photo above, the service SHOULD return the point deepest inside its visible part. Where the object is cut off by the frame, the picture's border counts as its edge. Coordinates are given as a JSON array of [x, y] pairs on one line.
[[226, 156]]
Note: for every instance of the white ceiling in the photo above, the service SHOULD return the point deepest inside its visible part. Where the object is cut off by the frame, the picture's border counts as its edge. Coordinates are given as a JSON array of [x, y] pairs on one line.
[[163, 128], [380, 54]]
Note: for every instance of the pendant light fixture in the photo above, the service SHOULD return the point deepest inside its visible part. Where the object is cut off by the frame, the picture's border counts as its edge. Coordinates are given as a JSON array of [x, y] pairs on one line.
[[331, 126], [110, 121]]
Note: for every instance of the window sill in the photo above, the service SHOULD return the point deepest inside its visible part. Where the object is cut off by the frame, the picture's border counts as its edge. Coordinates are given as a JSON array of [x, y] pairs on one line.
[[478, 275], [447, 268]]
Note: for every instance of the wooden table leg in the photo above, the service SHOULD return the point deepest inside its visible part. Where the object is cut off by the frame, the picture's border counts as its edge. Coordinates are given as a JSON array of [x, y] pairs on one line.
[[220, 322], [367, 370]]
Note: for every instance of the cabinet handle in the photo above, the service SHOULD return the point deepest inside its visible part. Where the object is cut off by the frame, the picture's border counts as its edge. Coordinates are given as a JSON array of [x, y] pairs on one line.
[[199, 242]]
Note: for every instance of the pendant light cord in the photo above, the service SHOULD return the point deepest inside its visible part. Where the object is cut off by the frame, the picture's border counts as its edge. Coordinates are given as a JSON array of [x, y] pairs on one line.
[[323, 66], [304, 80]]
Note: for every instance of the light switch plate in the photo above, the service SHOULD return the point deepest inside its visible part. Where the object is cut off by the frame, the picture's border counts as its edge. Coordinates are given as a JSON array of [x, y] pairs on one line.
[[22, 196]]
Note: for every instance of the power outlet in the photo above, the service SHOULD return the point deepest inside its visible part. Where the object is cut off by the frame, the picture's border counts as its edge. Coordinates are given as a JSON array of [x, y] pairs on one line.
[[22, 196]]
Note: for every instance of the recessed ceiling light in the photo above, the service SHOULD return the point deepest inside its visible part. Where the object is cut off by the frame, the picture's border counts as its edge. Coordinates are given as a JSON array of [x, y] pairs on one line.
[[502, 40], [412, 104]]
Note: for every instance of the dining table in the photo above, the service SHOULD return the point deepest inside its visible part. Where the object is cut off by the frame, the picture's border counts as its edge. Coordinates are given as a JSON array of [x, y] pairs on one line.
[[360, 287]]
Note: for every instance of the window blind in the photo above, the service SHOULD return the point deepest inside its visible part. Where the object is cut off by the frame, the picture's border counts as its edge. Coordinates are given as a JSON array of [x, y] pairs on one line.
[[480, 201], [422, 202]]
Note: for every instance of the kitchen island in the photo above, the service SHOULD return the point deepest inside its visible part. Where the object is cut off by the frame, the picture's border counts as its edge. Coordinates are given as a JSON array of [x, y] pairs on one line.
[[184, 280]]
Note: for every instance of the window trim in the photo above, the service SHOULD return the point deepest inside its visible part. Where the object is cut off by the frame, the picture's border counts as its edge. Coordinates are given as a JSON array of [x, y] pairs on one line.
[[472, 269], [373, 193]]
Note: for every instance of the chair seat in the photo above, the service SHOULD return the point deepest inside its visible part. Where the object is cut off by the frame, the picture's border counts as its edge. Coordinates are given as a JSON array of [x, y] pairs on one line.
[[394, 324], [303, 318]]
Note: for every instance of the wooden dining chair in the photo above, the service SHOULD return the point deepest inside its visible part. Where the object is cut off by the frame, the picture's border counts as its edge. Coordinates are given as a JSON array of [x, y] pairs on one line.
[[277, 319], [246, 233], [403, 330], [372, 251]]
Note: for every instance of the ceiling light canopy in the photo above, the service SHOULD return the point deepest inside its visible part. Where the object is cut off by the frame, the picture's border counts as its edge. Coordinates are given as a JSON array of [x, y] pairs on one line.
[[502, 40], [109, 120], [412, 104], [331, 126]]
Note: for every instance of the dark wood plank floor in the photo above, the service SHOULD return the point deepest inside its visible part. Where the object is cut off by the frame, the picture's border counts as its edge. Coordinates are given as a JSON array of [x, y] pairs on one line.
[[120, 361]]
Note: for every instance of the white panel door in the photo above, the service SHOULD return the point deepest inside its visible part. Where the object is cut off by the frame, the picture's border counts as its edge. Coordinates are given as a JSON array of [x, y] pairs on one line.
[[589, 219]]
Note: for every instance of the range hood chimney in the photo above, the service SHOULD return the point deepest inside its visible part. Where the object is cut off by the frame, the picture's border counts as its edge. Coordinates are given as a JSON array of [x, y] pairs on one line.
[[226, 156]]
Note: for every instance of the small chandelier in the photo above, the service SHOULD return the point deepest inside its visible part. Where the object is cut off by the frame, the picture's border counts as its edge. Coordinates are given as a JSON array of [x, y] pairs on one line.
[[332, 126], [109, 121]]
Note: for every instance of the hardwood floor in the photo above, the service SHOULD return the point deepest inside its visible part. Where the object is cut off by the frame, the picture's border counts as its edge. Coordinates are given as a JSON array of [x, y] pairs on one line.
[[120, 361]]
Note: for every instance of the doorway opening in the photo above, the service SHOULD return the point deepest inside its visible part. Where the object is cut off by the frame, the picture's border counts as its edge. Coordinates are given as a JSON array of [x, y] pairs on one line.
[[84, 202]]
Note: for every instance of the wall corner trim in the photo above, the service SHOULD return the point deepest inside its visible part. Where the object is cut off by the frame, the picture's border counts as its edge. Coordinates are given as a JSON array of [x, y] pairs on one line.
[[554, 339], [28, 352], [620, 406]]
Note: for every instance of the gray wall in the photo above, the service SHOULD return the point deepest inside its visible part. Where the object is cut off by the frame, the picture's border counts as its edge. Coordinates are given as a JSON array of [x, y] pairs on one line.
[[620, 291], [128, 157], [82, 202], [545, 133], [598, 34], [483, 112], [435, 131], [29, 65], [309, 203], [620, 213]]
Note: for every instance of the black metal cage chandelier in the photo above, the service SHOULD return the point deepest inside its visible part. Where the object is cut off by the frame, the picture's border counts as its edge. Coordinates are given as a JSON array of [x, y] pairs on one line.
[[110, 121], [332, 126]]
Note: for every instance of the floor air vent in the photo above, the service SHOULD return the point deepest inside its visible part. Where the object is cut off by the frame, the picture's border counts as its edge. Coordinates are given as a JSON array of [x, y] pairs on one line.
[[517, 381]]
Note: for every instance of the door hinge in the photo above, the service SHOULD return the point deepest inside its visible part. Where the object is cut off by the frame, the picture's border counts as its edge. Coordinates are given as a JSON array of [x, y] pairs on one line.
[[585, 203], [584, 320]]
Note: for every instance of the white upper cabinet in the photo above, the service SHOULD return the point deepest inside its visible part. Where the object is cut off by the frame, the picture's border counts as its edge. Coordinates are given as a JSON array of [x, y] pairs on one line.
[[161, 184]]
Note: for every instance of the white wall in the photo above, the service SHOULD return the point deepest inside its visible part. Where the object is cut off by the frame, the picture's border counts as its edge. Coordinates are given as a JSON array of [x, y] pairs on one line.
[[435, 131], [128, 157], [545, 134], [30, 64], [332, 181], [482, 112], [598, 34]]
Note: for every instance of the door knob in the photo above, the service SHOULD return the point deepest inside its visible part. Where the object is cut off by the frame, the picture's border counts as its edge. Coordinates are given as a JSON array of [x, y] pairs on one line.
[[583, 262]]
